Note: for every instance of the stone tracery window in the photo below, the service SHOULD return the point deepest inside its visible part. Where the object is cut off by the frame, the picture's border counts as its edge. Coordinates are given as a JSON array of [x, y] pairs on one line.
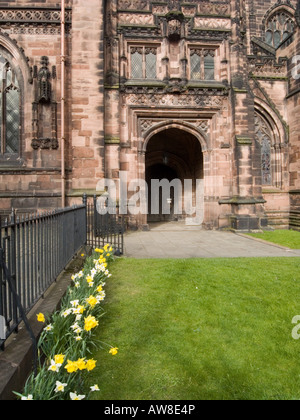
[[9, 110], [264, 137], [143, 62], [279, 26]]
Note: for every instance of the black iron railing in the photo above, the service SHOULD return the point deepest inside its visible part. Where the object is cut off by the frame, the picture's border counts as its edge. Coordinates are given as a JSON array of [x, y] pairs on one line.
[[105, 228], [34, 250]]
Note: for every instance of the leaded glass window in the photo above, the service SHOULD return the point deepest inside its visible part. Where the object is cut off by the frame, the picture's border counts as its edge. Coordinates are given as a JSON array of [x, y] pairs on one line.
[[143, 63], [196, 65], [209, 65], [9, 109], [150, 63], [137, 63], [264, 137], [202, 64]]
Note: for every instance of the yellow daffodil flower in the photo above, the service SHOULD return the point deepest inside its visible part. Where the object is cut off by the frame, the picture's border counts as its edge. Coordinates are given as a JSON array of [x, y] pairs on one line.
[[81, 364], [59, 359], [90, 322], [41, 317], [71, 367], [90, 365], [92, 301]]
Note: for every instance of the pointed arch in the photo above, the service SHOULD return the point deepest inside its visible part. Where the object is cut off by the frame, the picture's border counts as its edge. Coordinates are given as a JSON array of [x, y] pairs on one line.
[[279, 23], [14, 71], [182, 125], [271, 137]]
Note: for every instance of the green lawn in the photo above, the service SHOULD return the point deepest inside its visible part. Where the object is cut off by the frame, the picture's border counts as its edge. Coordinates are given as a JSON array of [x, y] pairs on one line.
[[200, 329], [287, 238]]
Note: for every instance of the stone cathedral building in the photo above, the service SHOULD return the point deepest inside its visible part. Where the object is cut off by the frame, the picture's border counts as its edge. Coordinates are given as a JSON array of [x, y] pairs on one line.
[[170, 89]]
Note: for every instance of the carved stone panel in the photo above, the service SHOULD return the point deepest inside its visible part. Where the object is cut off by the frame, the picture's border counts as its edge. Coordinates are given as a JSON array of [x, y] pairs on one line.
[[173, 100], [33, 20], [146, 123]]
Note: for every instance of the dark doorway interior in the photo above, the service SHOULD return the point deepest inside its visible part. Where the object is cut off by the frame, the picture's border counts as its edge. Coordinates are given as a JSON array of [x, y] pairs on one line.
[[172, 154], [160, 171]]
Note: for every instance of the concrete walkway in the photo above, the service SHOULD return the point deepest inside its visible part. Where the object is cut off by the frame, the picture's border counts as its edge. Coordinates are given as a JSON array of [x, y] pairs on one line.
[[174, 240]]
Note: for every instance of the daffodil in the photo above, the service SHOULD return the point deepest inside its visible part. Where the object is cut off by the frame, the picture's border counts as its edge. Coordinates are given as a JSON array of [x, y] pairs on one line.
[[81, 364], [60, 387], [29, 398], [92, 301], [66, 313], [89, 279], [54, 367], [94, 388], [41, 317], [75, 397], [79, 310], [90, 322], [48, 328], [71, 367], [102, 294], [59, 359], [90, 365], [114, 351]]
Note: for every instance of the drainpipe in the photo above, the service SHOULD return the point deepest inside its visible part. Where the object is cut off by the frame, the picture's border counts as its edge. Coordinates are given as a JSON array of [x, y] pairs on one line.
[[63, 58]]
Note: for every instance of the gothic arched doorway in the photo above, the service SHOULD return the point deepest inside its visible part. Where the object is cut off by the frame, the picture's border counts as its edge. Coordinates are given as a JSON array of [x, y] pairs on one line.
[[175, 156]]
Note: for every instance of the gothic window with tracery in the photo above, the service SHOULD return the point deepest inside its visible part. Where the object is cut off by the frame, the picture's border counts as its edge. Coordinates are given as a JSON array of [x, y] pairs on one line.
[[202, 64], [264, 137], [9, 109], [279, 27], [143, 62]]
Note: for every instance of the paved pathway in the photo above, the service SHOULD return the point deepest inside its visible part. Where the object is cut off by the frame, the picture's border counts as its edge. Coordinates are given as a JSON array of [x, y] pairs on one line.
[[177, 241]]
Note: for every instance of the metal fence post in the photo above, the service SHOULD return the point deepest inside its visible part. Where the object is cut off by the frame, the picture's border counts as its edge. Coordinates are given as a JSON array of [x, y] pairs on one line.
[[84, 202], [2, 285], [12, 262]]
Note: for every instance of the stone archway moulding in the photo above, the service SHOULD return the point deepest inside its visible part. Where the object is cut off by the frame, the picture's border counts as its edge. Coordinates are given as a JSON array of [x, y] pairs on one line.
[[181, 125], [285, 7], [20, 61], [281, 135]]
